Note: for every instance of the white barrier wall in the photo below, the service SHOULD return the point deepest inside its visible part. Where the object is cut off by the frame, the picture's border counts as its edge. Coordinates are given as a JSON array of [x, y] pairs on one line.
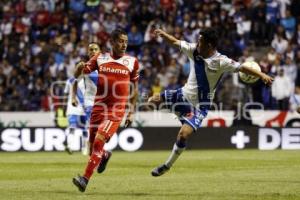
[[27, 119]]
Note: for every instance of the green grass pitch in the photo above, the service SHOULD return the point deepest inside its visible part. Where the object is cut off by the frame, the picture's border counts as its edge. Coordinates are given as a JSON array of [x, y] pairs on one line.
[[209, 175]]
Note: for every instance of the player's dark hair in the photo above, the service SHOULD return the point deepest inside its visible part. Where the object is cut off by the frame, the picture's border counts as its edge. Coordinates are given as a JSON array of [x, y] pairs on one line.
[[210, 36], [116, 34]]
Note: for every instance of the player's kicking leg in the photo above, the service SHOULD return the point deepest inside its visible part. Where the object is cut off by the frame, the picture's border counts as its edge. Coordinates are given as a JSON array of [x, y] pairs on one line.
[[179, 146], [81, 182], [106, 129]]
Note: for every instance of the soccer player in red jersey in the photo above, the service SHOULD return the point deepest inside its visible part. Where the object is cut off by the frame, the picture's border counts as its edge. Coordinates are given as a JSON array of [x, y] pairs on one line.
[[117, 82]]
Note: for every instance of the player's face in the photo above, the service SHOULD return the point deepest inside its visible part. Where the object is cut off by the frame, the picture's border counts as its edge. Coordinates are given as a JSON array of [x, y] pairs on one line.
[[93, 50], [120, 45], [201, 45]]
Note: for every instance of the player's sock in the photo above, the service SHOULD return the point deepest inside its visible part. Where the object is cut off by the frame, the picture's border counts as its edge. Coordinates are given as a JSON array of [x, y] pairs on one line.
[[95, 158], [66, 142], [178, 148], [84, 141]]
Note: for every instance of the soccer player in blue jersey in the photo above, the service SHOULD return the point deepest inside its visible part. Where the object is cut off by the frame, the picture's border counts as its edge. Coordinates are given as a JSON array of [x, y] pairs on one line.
[[192, 102], [75, 113], [90, 85]]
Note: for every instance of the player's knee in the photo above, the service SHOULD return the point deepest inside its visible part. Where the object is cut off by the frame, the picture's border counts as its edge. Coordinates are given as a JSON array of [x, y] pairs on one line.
[[185, 132], [98, 143], [183, 135], [100, 137]]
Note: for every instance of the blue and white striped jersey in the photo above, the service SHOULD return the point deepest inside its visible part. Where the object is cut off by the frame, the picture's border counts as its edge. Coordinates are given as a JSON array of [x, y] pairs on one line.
[[90, 82], [205, 74], [74, 110]]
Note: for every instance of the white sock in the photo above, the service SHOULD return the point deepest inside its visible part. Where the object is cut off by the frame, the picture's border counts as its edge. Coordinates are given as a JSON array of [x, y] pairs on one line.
[[83, 141], [174, 155]]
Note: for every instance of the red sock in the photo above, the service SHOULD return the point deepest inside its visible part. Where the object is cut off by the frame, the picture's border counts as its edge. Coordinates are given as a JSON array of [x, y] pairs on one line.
[[95, 158]]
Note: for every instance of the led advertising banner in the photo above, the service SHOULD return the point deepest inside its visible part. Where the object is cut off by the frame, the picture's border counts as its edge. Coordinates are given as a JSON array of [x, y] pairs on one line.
[[132, 139]]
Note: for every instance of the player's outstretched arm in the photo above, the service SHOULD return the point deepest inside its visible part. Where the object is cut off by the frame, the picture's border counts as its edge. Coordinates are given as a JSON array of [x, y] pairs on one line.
[[264, 77], [167, 37]]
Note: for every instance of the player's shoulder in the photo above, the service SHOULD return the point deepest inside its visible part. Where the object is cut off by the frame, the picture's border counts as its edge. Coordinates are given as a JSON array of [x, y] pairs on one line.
[[225, 61], [130, 57], [187, 45], [217, 60], [128, 60], [221, 58]]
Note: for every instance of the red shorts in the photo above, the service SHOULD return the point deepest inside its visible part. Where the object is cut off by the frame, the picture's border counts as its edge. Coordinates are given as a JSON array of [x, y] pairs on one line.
[[104, 125]]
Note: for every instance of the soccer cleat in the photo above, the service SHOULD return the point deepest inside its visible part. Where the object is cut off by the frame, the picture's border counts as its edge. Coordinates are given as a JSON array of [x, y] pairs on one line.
[[80, 182], [104, 161], [160, 170]]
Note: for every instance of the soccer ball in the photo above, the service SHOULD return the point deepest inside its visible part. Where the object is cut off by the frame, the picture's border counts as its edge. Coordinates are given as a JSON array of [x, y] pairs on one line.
[[246, 78]]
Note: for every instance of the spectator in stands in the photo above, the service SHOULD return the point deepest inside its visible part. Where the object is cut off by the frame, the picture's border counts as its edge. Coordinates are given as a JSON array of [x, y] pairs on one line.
[[2, 78], [135, 39], [259, 23], [289, 24], [78, 6], [156, 87], [281, 90], [172, 82], [272, 14], [290, 70], [296, 38], [279, 44]]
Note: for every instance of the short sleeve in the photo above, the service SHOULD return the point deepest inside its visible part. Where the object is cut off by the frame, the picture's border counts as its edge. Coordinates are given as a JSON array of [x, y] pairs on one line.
[[187, 48], [229, 65], [134, 76], [91, 65]]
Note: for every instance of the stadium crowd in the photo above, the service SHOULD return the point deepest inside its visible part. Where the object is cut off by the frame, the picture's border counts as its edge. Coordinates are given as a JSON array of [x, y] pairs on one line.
[[42, 40]]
